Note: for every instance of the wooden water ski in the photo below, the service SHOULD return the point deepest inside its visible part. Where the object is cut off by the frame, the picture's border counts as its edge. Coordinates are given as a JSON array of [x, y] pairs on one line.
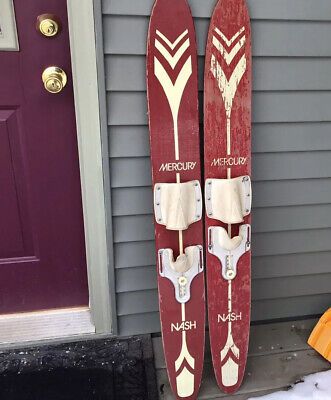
[[172, 90], [227, 110]]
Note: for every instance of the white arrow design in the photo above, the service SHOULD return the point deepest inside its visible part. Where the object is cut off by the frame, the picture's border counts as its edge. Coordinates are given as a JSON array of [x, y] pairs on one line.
[[228, 88], [230, 369], [229, 56], [185, 380], [172, 45], [234, 37], [172, 60], [174, 92]]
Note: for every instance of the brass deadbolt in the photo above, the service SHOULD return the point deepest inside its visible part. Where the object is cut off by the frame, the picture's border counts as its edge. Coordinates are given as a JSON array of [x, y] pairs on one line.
[[54, 79], [48, 25]]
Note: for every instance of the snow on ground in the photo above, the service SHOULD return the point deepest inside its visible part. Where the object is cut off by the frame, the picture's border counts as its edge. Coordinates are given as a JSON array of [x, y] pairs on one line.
[[313, 387]]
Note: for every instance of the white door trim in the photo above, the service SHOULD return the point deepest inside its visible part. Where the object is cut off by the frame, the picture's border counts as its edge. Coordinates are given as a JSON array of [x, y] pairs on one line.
[[45, 325], [85, 80]]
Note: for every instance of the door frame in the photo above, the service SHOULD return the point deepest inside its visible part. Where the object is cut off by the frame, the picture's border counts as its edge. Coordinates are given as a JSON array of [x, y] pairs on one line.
[[90, 106]]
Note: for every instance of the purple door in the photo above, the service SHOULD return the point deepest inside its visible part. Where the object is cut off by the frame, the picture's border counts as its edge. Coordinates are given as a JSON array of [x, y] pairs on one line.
[[42, 248]]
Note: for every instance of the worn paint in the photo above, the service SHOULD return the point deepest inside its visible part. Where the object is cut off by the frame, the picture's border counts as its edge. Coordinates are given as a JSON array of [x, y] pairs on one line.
[[228, 155]]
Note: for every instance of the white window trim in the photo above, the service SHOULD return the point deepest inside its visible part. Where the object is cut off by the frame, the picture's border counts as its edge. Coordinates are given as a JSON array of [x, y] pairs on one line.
[[8, 31]]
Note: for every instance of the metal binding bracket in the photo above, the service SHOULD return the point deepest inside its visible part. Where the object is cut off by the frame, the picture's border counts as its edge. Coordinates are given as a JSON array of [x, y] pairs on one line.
[[181, 280], [229, 250]]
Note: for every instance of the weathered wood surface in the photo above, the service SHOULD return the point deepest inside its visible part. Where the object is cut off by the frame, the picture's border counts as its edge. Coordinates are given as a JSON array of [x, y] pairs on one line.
[[278, 357]]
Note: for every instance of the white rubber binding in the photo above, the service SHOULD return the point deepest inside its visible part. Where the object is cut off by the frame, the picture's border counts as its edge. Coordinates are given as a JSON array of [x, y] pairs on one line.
[[228, 250], [182, 271], [228, 200], [177, 205]]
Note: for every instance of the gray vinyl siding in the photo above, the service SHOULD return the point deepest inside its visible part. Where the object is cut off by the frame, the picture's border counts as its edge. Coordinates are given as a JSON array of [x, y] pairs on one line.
[[291, 157]]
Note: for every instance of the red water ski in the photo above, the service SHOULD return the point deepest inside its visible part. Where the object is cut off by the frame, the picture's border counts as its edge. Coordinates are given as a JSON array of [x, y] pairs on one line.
[[174, 133], [227, 111]]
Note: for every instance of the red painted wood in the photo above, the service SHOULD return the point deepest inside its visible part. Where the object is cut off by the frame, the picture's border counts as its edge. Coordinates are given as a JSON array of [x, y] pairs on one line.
[[42, 249], [229, 17], [172, 18]]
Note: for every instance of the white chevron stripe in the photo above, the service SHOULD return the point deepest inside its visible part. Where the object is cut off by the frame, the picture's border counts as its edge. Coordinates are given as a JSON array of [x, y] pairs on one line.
[[172, 60], [174, 92], [230, 370], [185, 380], [172, 45], [184, 355], [229, 56], [228, 88], [234, 37]]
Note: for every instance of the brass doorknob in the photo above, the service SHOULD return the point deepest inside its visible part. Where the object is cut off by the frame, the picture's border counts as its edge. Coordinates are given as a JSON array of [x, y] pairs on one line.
[[54, 79]]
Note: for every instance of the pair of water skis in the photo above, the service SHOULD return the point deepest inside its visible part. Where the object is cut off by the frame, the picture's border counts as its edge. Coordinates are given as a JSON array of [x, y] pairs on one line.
[[182, 212]]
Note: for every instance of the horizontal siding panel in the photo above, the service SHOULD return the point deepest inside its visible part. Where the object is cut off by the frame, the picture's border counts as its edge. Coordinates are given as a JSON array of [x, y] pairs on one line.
[[267, 107], [135, 279], [137, 302], [291, 157], [291, 218], [259, 9], [136, 254], [127, 35], [135, 172], [291, 286], [292, 265], [139, 324], [131, 141], [127, 73], [262, 290], [261, 310], [133, 228], [279, 166], [291, 242], [141, 227], [264, 244], [290, 307], [128, 141], [130, 172], [133, 201]]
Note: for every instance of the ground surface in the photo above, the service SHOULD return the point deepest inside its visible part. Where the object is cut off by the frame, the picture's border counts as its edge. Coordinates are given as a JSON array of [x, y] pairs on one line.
[[279, 356], [111, 369], [314, 387]]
